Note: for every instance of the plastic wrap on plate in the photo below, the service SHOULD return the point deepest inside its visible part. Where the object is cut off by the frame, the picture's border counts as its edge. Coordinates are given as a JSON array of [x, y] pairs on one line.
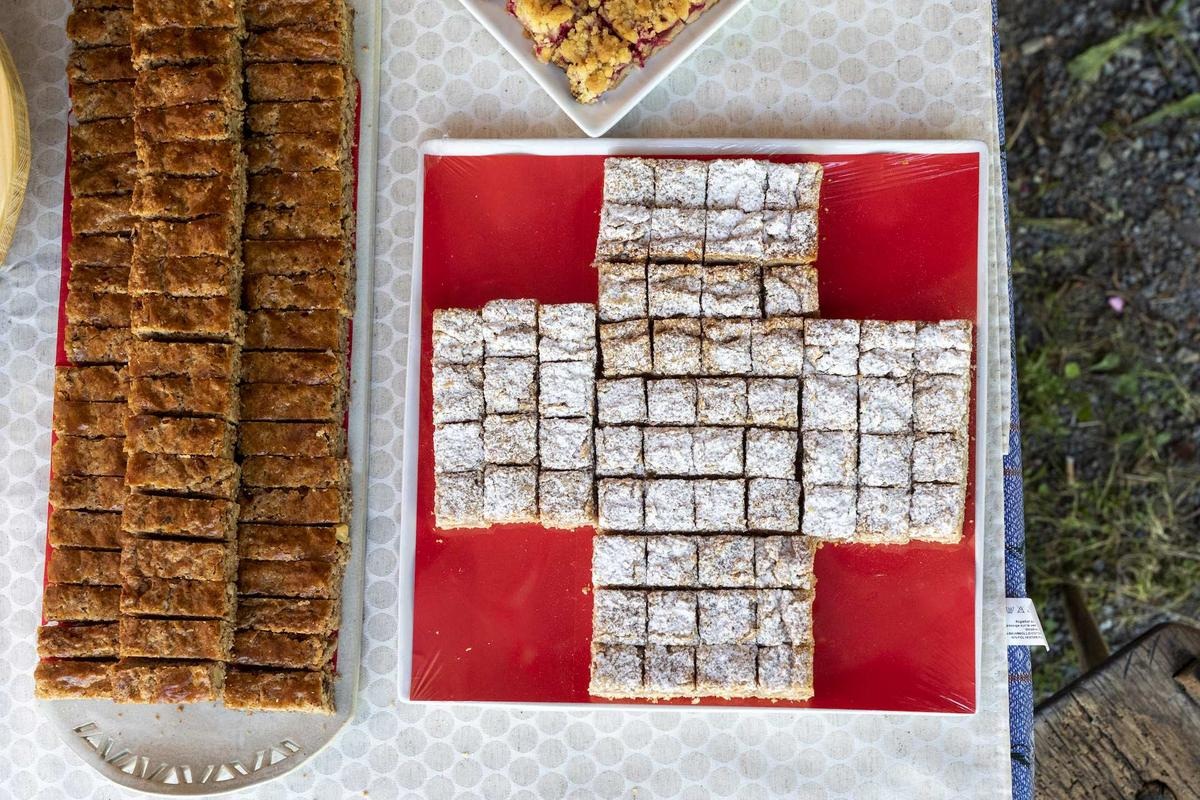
[[799, 308]]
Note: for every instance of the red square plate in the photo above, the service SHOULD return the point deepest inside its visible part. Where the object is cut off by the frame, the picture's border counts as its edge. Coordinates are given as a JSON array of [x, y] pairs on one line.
[[505, 614]]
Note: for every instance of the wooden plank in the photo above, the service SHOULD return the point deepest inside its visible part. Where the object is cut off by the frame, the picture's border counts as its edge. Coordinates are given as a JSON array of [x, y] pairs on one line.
[[1127, 729]]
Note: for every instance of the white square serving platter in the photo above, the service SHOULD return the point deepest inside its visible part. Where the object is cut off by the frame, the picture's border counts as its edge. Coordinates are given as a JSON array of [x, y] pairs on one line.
[[760, 148], [595, 119]]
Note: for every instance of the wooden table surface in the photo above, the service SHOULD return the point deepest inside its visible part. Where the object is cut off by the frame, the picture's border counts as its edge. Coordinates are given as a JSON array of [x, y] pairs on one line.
[[1129, 729]]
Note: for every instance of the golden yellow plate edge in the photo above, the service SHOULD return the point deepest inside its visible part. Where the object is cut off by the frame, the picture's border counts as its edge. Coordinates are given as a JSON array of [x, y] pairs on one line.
[[15, 152]]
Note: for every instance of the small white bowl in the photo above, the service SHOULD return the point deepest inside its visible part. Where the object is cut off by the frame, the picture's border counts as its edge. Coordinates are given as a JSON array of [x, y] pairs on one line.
[[595, 119]]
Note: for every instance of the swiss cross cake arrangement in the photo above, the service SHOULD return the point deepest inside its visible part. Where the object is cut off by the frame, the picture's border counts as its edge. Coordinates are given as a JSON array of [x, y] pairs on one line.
[[200, 493], [706, 428]]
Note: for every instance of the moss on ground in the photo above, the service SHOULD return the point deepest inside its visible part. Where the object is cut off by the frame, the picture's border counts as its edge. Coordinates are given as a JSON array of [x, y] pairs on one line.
[[1110, 487], [1104, 138]]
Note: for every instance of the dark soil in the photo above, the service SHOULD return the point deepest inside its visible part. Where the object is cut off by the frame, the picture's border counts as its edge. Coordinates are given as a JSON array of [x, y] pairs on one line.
[[1102, 99]]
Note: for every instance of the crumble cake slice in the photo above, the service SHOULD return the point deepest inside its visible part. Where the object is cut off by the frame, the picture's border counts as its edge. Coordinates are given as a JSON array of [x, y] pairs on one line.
[[565, 499], [784, 562], [616, 670], [510, 494], [136, 680], [737, 183], [937, 511], [288, 615], [726, 349], [725, 561], [176, 597], [566, 389], [97, 457], [674, 290], [70, 602], [668, 451], [773, 504], [101, 101], [671, 561], [458, 500], [596, 42], [676, 346], [619, 561], [670, 671], [671, 618], [287, 690], [618, 450], [670, 506], [647, 25], [302, 579], [510, 438], [283, 650], [621, 505], [732, 235], [168, 472], [671, 401], [565, 443], [624, 233], [547, 22], [883, 515], [622, 290], [87, 530], [71, 679], [771, 453], [790, 290], [593, 56], [85, 567], [567, 332], [265, 542], [77, 641], [629, 181], [717, 451]]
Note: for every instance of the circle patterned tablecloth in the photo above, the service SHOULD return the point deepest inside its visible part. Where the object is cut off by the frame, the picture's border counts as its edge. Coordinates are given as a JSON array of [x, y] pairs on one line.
[[780, 68]]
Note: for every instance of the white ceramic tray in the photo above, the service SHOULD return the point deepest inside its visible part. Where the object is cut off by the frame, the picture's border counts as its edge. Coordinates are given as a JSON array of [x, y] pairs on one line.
[[596, 118], [206, 748], [663, 148]]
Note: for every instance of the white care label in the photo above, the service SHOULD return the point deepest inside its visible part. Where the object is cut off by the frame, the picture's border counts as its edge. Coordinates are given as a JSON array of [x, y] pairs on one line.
[[1022, 624]]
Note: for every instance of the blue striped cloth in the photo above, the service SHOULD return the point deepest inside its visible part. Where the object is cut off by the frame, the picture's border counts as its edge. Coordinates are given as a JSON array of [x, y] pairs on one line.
[[1020, 681]]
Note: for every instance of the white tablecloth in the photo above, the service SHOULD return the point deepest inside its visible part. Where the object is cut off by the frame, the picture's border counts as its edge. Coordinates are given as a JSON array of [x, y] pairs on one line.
[[780, 68]]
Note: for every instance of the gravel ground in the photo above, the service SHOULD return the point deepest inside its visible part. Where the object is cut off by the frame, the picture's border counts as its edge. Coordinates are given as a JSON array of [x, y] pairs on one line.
[[1103, 114]]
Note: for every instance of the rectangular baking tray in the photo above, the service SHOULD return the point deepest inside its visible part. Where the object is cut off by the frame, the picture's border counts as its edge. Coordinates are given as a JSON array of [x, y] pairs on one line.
[[461, 151], [595, 119], [205, 748]]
